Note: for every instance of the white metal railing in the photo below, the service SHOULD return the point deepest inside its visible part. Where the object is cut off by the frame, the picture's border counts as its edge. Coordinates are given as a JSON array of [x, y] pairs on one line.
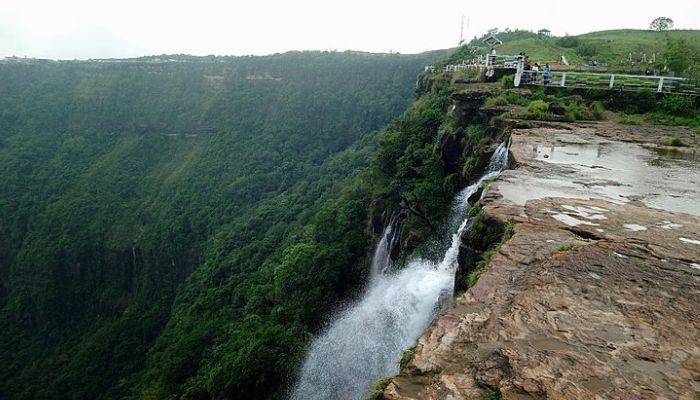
[[494, 61], [464, 65], [660, 84]]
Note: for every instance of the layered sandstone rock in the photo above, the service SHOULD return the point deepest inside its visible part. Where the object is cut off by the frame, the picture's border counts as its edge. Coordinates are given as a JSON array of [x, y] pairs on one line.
[[596, 295]]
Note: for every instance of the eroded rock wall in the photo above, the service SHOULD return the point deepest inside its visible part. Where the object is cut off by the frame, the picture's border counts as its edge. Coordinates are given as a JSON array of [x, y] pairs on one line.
[[596, 295]]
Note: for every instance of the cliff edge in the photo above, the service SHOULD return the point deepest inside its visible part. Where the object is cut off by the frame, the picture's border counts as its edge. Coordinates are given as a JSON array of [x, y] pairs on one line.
[[597, 293]]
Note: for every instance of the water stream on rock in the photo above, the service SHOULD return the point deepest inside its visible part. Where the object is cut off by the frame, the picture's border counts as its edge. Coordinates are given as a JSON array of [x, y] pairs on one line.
[[366, 340]]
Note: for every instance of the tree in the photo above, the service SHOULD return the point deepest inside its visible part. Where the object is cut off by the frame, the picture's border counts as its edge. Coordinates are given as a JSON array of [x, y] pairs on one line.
[[678, 55], [661, 24]]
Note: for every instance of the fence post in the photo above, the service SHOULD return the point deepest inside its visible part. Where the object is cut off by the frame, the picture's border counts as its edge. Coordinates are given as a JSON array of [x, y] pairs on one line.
[[612, 80], [520, 65], [661, 85], [563, 79]]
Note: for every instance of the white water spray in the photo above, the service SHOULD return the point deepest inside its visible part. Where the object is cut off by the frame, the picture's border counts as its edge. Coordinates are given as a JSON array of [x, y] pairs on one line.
[[367, 339]]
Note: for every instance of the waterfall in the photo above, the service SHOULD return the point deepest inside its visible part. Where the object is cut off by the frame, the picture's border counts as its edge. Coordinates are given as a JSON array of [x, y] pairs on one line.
[[382, 254], [389, 240], [499, 158], [366, 340]]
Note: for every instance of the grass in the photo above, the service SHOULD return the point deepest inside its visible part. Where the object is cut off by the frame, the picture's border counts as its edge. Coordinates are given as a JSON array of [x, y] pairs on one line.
[[566, 247], [467, 75], [693, 122], [406, 356], [581, 112], [663, 118], [486, 258], [377, 391], [541, 116], [516, 98], [606, 47], [631, 119], [538, 106], [496, 101]]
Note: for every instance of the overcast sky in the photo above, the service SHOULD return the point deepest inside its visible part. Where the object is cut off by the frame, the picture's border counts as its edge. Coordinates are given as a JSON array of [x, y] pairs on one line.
[[68, 29]]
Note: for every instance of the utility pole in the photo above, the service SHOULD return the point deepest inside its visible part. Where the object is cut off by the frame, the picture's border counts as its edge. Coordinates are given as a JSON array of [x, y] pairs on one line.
[[466, 34], [461, 32]]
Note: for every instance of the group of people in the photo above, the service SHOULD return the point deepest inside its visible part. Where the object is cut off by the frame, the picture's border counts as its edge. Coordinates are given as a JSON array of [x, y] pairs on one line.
[[651, 72], [533, 70]]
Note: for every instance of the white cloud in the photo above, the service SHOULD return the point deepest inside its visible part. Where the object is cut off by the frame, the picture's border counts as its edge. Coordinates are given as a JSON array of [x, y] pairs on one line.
[[127, 28]]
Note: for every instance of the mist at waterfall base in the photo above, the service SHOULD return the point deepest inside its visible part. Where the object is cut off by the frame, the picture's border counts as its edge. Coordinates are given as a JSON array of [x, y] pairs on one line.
[[366, 340]]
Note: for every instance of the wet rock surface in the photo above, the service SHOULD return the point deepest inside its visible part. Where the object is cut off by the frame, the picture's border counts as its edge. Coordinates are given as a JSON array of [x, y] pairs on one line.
[[596, 295]]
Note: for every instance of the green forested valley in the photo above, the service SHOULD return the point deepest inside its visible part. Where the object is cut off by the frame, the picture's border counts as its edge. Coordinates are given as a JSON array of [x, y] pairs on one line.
[[178, 227]]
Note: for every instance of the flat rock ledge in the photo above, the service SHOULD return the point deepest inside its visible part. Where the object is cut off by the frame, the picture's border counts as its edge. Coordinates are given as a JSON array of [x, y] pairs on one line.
[[596, 295]]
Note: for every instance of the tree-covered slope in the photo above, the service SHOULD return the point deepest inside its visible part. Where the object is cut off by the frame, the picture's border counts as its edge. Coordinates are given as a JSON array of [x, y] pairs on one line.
[[180, 228]]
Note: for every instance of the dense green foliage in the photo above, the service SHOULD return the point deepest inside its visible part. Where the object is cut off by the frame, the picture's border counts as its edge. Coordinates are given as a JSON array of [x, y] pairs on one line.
[[435, 148], [408, 170], [680, 55], [180, 228]]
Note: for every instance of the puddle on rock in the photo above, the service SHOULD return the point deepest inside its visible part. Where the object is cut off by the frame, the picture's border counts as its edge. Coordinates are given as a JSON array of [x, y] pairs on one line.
[[634, 227], [592, 167], [677, 154]]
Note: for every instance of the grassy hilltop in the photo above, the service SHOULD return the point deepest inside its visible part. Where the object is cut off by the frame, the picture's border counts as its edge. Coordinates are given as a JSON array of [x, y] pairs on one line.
[[606, 47]]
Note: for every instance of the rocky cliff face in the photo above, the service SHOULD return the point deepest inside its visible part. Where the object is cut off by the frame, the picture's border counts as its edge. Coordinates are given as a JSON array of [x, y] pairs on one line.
[[596, 295]]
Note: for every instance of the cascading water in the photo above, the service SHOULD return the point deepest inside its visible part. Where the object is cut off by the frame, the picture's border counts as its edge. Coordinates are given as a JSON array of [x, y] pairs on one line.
[[382, 254], [367, 339], [381, 261]]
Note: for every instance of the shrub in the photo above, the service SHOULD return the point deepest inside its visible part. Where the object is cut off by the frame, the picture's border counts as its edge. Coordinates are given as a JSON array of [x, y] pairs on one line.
[[506, 115], [676, 142], [538, 93], [538, 107], [507, 81], [570, 116], [678, 105], [579, 112], [476, 133], [470, 167], [496, 101], [587, 50], [598, 110], [568, 41], [641, 101], [516, 98]]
